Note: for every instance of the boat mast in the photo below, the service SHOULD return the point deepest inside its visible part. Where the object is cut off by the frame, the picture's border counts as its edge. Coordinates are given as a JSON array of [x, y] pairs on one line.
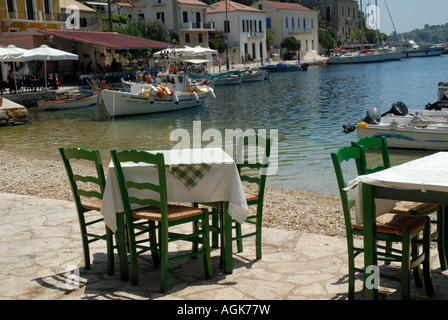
[[362, 29]]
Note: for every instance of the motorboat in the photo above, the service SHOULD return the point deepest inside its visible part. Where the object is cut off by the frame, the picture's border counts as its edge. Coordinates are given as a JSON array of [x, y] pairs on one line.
[[411, 49], [405, 129], [249, 75], [70, 100], [170, 92], [358, 57], [282, 66]]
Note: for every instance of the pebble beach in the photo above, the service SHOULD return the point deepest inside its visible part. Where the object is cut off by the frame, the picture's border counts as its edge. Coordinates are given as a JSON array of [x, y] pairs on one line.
[[287, 209]]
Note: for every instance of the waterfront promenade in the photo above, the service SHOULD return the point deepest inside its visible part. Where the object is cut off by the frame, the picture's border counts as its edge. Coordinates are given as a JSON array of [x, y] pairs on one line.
[[40, 245]]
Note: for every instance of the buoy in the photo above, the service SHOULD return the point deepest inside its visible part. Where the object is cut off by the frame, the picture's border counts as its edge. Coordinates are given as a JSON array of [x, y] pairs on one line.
[[146, 93], [212, 93], [175, 98], [195, 96], [362, 125]]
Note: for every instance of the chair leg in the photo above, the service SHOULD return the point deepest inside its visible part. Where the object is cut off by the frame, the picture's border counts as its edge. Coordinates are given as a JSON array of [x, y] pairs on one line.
[[259, 229], [351, 270], [427, 262], [206, 245], [163, 258], [110, 251], [153, 243], [120, 237], [405, 266], [239, 241], [85, 242], [441, 238]]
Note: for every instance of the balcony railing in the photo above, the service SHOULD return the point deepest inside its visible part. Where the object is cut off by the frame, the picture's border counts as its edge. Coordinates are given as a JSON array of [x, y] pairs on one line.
[[197, 26]]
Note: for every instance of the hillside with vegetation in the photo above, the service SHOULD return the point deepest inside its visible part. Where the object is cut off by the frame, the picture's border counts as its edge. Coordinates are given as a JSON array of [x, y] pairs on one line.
[[437, 34]]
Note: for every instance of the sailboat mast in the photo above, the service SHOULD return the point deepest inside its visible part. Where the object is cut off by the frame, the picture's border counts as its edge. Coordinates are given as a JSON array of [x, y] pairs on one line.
[[362, 29]]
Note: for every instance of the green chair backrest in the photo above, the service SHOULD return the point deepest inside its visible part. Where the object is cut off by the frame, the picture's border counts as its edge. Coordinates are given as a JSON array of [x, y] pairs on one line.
[[252, 159], [84, 185], [353, 154], [374, 143], [157, 191]]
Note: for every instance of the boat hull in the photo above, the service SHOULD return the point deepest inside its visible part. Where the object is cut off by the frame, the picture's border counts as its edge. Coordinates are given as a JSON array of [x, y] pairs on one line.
[[68, 104], [125, 103], [434, 137], [422, 52], [357, 58]]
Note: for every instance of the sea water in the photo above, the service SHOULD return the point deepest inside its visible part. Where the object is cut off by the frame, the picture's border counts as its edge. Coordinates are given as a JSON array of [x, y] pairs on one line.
[[304, 110]]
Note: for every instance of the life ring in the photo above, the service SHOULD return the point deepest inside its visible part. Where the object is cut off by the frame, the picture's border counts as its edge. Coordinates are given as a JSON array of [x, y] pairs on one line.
[[97, 73], [173, 69]]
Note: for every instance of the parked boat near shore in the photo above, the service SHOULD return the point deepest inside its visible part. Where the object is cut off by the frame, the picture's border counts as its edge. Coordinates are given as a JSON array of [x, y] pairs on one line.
[[73, 100], [169, 93], [411, 50], [285, 67], [405, 129]]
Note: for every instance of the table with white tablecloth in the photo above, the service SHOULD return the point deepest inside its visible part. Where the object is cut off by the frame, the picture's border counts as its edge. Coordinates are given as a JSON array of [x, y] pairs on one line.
[[424, 180], [193, 175]]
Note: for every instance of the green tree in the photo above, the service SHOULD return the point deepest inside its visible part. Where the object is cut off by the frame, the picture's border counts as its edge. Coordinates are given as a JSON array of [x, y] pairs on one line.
[[291, 43]]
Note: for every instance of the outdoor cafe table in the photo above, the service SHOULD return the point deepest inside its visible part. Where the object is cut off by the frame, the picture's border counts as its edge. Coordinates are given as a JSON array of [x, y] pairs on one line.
[[424, 180], [218, 181]]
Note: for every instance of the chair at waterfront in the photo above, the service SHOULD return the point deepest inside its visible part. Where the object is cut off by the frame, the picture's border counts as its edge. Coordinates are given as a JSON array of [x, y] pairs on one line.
[[156, 216], [390, 227], [405, 207], [253, 172], [88, 192]]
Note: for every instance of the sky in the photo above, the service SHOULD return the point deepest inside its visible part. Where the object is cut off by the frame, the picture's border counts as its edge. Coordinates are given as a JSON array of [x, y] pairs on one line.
[[408, 15]]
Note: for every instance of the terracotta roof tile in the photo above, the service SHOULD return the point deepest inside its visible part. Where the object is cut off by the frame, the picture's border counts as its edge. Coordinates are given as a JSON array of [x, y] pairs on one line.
[[193, 2], [108, 39], [232, 6], [287, 5]]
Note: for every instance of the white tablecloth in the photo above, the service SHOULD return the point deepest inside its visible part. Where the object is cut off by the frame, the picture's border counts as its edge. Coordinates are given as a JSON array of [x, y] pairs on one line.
[[427, 173], [220, 183]]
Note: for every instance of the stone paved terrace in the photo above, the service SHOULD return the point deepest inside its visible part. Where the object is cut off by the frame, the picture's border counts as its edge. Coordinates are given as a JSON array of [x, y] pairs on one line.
[[39, 242]]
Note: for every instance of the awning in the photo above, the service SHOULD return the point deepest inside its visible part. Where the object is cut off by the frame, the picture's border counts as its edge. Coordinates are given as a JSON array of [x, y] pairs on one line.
[[197, 61], [108, 39]]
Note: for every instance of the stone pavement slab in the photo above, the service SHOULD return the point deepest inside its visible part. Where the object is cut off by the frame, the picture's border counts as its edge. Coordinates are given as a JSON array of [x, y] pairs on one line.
[[41, 257]]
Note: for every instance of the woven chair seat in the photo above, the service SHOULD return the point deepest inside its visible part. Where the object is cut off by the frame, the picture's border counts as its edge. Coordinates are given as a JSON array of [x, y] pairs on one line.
[[390, 223], [92, 205], [250, 197], [408, 206], [175, 212]]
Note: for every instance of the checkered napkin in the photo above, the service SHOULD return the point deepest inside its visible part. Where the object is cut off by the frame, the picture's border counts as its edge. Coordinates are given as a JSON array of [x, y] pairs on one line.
[[189, 174]]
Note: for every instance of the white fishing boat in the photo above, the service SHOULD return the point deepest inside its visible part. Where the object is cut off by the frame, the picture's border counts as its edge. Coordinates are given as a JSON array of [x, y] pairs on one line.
[[416, 129], [69, 101], [254, 75], [169, 93]]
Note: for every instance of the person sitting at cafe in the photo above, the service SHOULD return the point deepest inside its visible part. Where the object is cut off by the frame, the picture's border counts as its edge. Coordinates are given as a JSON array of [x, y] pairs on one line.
[[147, 77]]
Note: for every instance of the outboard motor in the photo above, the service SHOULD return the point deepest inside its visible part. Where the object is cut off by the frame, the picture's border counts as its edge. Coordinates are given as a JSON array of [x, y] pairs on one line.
[[304, 66], [398, 109], [373, 116]]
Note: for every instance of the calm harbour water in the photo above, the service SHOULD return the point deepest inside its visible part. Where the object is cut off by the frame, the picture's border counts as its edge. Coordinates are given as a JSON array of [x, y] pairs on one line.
[[307, 109]]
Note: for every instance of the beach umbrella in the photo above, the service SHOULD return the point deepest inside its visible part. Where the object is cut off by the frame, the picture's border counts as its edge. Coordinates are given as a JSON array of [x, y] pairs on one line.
[[14, 54], [52, 54]]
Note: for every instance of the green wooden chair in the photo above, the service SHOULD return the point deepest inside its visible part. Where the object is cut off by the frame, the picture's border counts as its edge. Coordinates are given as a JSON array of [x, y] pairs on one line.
[[391, 227], [154, 208], [406, 207], [252, 171], [88, 193]]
